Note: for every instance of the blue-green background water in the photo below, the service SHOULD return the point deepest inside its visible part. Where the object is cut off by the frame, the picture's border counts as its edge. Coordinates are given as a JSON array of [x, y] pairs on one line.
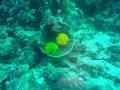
[[59, 44]]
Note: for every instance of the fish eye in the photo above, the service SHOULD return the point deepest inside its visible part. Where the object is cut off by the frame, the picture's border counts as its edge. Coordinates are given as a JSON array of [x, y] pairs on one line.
[[57, 50], [67, 41]]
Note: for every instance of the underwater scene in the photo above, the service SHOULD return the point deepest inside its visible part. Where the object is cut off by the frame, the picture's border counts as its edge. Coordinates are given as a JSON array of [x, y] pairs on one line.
[[59, 44]]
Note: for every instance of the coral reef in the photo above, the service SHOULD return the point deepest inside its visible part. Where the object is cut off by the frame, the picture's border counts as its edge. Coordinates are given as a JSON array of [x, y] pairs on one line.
[[90, 60]]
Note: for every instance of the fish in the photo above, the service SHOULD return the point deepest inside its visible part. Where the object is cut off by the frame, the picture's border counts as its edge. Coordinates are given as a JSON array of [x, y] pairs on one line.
[[51, 48], [62, 39], [78, 67]]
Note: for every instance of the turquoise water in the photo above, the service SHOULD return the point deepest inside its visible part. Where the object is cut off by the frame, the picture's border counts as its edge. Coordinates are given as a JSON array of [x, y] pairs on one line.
[[59, 44]]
